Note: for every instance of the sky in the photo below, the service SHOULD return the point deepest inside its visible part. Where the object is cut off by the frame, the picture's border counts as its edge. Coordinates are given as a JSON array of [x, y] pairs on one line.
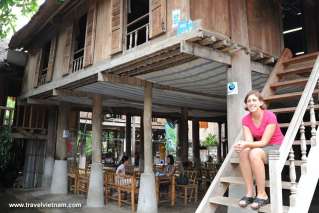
[[22, 20]]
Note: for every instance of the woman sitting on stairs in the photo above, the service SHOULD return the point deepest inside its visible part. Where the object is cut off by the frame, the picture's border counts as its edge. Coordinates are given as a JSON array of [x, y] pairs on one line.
[[261, 133]]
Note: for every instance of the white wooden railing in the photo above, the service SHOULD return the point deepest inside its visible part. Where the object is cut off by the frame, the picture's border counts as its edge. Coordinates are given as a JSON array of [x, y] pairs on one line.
[[6, 114], [277, 159], [77, 63], [133, 36]]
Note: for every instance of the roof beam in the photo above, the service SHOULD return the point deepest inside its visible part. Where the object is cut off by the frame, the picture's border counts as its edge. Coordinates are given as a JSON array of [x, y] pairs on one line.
[[219, 56]]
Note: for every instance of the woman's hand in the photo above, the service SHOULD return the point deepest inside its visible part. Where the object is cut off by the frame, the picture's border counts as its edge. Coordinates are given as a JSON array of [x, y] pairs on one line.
[[239, 146]]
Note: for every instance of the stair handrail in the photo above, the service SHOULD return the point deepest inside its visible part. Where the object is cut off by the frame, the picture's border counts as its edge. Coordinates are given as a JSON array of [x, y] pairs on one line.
[[298, 116]]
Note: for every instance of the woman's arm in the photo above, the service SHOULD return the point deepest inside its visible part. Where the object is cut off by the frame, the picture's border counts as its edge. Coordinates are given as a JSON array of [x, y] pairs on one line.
[[268, 133]]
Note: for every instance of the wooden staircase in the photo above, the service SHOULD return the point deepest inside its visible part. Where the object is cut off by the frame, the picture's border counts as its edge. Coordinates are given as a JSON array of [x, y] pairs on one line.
[[289, 92]]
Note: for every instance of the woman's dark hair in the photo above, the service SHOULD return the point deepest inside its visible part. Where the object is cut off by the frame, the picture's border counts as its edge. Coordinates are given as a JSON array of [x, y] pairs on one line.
[[171, 159], [124, 158], [258, 95]]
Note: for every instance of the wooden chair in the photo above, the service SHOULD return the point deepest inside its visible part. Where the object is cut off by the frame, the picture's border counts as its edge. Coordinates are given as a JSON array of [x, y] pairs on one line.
[[126, 187], [83, 182], [73, 176], [170, 195], [190, 190]]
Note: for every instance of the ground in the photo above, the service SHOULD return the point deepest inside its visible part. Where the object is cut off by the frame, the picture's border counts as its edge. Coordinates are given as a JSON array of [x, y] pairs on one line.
[[37, 196]]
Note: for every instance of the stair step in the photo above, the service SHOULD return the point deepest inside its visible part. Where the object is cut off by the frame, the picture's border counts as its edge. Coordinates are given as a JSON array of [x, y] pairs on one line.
[[289, 109], [240, 181], [285, 96], [302, 81], [235, 160], [296, 70], [303, 58], [233, 202], [285, 125]]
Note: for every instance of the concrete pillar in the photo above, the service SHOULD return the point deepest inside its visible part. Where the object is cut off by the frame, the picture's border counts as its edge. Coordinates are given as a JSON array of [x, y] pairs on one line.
[[239, 72], [59, 184], [50, 148], [147, 202], [196, 143], [128, 135], [96, 193]]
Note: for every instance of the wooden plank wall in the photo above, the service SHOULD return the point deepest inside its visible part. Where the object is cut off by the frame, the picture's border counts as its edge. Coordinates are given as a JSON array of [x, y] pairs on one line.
[[29, 73], [214, 15], [264, 26], [183, 5], [103, 31]]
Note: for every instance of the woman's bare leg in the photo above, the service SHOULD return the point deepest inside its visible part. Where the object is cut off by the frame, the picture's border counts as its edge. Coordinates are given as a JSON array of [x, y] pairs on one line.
[[246, 171], [258, 158]]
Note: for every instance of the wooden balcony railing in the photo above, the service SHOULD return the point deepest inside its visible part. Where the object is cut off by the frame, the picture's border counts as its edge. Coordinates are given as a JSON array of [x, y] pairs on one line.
[[42, 76], [77, 63], [139, 35]]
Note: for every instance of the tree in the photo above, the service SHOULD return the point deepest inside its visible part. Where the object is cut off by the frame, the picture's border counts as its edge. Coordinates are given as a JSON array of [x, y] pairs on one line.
[[7, 16]]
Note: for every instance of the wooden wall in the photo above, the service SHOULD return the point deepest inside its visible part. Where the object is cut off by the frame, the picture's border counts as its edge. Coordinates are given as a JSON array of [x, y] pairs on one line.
[[264, 26], [183, 5], [213, 13]]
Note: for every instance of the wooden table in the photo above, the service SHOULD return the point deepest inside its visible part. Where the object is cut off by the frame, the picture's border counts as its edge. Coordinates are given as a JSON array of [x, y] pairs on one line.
[[162, 180]]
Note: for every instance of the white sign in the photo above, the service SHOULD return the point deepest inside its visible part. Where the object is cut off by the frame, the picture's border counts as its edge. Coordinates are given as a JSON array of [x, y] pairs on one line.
[[66, 134], [232, 88], [176, 17]]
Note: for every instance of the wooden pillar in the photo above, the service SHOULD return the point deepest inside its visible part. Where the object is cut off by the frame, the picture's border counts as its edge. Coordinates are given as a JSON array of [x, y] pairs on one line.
[[310, 8], [60, 152], [95, 196], [239, 72], [59, 184], [128, 135], [50, 148], [183, 136], [133, 140], [141, 154], [196, 143], [147, 195], [219, 147]]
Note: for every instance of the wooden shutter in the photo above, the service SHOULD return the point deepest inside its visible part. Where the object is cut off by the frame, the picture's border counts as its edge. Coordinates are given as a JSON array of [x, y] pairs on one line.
[[51, 59], [68, 55], [37, 68], [90, 34], [117, 26], [157, 17]]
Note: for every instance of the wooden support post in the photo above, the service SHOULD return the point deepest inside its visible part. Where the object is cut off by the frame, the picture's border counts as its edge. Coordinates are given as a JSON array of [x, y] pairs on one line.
[[196, 143], [60, 152], [133, 140], [141, 154], [95, 196], [128, 135], [219, 148], [147, 195], [50, 147]]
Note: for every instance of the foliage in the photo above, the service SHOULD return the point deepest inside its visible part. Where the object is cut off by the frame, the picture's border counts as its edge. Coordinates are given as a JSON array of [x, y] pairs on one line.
[[5, 148], [87, 137], [8, 17], [210, 140]]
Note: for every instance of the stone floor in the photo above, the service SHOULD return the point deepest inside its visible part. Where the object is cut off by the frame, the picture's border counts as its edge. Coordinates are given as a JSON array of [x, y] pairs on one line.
[[37, 196]]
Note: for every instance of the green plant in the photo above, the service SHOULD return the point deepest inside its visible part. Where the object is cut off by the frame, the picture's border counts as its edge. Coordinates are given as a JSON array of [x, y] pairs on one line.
[[210, 140], [5, 148]]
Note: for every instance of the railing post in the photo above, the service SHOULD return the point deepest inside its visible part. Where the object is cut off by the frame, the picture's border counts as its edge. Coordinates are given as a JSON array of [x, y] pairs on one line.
[[275, 181], [303, 146], [292, 175], [312, 122], [147, 32]]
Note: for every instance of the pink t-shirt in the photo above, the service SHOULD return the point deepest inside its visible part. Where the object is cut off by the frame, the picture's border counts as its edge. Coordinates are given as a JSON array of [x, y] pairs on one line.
[[257, 132]]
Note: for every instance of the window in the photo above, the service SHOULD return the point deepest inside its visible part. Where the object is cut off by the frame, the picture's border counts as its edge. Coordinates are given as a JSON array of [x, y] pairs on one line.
[[79, 41], [137, 29], [44, 64]]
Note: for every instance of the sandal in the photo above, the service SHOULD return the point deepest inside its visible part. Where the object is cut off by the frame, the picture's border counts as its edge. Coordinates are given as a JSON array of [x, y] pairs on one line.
[[260, 202], [245, 201]]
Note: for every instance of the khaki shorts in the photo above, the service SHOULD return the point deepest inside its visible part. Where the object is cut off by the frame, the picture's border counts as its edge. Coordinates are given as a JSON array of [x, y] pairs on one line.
[[267, 148]]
